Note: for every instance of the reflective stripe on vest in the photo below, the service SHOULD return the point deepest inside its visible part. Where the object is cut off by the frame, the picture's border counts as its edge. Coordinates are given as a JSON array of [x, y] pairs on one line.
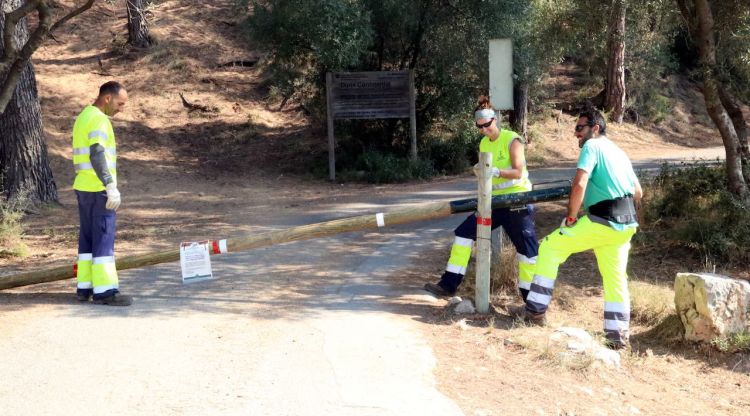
[[500, 149], [92, 126], [87, 165]]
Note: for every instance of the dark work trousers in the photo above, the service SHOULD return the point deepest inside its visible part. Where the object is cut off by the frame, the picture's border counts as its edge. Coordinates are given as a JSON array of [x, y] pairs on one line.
[[96, 246], [518, 223]]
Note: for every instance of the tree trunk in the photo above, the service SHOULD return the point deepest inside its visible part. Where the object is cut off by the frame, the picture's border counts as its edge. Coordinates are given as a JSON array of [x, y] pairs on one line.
[[738, 120], [518, 118], [615, 84], [138, 35], [24, 166], [701, 23]]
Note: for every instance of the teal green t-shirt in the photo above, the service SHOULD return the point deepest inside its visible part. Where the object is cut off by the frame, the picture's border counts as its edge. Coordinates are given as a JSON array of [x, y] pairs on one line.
[[610, 172]]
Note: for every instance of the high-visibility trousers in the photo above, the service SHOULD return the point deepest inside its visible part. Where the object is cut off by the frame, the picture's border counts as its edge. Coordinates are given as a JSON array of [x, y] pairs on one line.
[[518, 223], [611, 248], [97, 274]]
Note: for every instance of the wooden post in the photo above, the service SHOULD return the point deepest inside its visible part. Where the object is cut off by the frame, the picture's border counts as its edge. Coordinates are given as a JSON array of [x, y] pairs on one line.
[[331, 140], [413, 115], [484, 233]]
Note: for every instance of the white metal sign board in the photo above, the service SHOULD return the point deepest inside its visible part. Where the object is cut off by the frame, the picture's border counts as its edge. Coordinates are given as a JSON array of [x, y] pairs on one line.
[[195, 261], [501, 74]]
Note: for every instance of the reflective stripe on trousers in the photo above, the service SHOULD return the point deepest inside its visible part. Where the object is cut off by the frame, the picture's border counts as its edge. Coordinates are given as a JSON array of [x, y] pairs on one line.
[[83, 274], [611, 248], [460, 255], [517, 223], [526, 266]]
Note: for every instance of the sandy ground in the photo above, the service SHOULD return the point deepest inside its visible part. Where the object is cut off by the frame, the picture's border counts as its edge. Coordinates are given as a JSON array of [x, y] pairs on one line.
[[173, 191]]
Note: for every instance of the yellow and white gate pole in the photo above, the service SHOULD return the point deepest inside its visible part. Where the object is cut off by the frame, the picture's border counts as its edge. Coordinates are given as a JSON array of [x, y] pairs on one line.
[[421, 212]]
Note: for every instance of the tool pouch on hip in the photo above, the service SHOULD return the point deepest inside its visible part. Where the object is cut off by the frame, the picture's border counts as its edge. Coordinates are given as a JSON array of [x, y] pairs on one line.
[[619, 210]]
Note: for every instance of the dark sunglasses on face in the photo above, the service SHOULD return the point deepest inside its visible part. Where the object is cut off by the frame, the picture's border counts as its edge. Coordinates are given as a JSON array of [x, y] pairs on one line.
[[580, 127], [485, 125]]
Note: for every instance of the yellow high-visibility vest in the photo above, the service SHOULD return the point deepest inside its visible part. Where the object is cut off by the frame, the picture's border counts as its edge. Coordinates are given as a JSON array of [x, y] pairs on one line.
[[92, 126], [500, 150]]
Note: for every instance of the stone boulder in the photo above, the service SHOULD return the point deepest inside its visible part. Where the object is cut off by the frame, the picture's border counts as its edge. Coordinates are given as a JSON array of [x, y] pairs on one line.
[[711, 305]]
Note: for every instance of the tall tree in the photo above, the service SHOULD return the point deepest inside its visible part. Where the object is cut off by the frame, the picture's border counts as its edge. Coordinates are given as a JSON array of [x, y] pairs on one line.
[[733, 27], [138, 34], [24, 167], [614, 101], [700, 22]]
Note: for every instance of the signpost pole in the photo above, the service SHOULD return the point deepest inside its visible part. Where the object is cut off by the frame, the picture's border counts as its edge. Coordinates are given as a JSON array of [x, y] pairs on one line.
[[331, 140], [413, 115]]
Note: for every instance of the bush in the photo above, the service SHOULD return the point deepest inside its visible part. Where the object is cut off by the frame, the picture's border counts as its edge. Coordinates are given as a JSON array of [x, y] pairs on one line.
[[377, 167], [11, 229], [453, 153], [739, 342], [656, 107], [691, 206]]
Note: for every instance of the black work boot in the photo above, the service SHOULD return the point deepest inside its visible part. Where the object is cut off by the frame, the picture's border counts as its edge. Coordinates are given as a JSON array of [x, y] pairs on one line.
[[438, 290], [523, 314], [84, 295], [616, 345], [115, 300]]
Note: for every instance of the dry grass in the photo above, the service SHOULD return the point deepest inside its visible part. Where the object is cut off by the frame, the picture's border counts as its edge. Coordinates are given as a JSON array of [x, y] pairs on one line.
[[668, 331], [650, 303], [11, 227], [503, 271]]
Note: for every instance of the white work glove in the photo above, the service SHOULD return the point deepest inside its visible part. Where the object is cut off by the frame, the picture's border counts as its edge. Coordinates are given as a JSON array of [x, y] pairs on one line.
[[568, 222], [113, 196], [495, 171]]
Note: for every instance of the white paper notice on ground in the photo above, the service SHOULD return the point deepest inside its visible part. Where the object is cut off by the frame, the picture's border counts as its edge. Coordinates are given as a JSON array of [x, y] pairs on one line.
[[195, 260]]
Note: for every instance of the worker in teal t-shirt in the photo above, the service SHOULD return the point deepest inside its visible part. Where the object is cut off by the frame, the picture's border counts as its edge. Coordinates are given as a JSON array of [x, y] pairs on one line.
[[610, 175], [608, 189]]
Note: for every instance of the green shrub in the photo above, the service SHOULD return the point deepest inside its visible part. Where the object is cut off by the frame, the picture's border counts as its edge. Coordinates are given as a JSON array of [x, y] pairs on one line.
[[691, 206], [656, 107], [739, 342], [377, 167], [455, 151], [680, 192]]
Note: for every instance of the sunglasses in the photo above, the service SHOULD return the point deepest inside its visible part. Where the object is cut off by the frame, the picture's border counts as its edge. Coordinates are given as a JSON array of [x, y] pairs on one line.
[[485, 125], [580, 127]]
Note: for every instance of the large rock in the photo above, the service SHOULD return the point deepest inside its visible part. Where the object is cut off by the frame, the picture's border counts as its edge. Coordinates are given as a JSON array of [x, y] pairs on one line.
[[711, 305]]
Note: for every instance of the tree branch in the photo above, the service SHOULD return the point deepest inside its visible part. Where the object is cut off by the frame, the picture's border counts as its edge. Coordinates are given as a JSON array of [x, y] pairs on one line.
[[72, 14], [13, 61], [10, 51]]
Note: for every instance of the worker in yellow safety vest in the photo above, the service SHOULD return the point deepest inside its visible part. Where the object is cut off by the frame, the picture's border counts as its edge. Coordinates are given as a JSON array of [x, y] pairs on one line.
[[510, 175], [608, 188], [95, 162]]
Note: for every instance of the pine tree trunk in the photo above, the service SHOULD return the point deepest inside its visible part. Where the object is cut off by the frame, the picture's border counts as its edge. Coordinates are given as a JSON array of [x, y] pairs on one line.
[[701, 22], [519, 116], [615, 97], [24, 166], [138, 35]]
